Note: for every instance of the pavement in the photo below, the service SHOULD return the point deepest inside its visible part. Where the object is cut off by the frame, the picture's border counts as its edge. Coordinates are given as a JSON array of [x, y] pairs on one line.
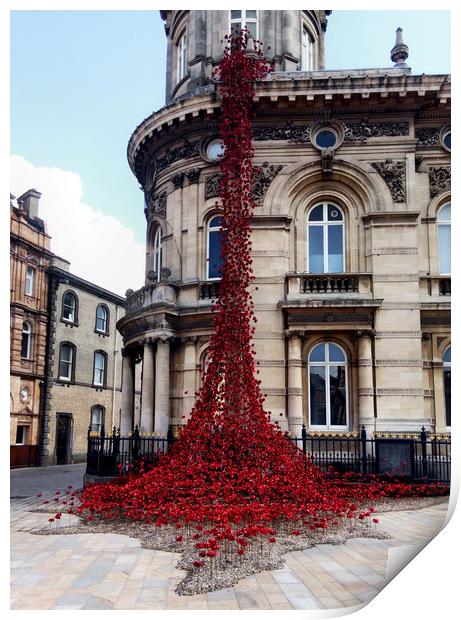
[[111, 571]]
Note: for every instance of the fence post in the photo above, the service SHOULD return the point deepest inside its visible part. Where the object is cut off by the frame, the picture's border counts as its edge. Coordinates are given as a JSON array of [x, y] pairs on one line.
[[304, 438], [136, 444], [169, 437], [424, 450], [363, 445]]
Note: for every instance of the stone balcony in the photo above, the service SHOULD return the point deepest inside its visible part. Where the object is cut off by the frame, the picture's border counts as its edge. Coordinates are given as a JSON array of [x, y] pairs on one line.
[[314, 284], [159, 294]]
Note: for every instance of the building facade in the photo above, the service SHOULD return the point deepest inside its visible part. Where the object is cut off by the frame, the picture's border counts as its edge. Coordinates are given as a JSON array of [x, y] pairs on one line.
[[351, 233]]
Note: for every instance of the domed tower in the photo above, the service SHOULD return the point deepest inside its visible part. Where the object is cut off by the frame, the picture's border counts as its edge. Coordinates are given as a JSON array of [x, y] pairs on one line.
[[351, 169]]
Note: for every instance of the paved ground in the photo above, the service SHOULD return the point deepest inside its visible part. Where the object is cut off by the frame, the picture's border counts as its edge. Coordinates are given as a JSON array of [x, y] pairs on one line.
[[111, 571]]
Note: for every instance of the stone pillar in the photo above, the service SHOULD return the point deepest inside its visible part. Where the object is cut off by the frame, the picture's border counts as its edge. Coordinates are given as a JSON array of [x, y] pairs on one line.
[[295, 385], [162, 386], [189, 376], [126, 421], [365, 364], [147, 388]]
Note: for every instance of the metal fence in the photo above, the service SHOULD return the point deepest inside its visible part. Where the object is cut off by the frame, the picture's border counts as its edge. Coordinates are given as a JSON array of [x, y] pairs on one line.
[[411, 456]]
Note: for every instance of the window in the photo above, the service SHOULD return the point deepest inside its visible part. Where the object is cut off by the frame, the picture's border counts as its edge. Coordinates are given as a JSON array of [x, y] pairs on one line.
[[21, 435], [69, 307], [30, 275], [447, 385], [328, 400], [215, 260], [99, 371], [239, 20], [181, 57], [325, 239], [101, 319], [26, 339], [158, 253], [97, 418], [444, 238], [307, 51], [66, 361]]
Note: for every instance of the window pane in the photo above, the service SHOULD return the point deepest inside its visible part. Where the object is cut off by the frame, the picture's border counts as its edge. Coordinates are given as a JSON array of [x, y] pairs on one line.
[[236, 28], [317, 396], [447, 389], [216, 222], [335, 249], [326, 139], [215, 263], [25, 345], [444, 248], [316, 249], [447, 356], [334, 214], [21, 434], [444, 215], [318, 353], [338, 409], [236, 14], [251, 14], [316, 215], [335, 354]]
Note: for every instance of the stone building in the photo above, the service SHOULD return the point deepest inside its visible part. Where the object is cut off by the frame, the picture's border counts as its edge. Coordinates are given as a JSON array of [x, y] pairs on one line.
[[351, 233], [30, 257]]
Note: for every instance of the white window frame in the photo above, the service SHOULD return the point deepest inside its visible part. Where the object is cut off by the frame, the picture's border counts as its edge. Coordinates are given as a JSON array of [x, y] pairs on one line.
[[210, 229], [181, 57], [243, 20], [69, 362], [26, 332], [447, 224], [29, 284], [307, 49], [326, 223], [99, 372], [103, 318], [326, 364], [73, 317], [158, 253]]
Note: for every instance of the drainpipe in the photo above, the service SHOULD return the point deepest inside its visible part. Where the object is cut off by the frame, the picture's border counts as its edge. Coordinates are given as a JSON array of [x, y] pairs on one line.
[[114, 372]]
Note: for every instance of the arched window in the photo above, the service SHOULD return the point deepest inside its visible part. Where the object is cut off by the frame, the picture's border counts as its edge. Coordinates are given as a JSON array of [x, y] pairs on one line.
[[97, 418], [447, 385], [214, 243], [158, 253], [325, 239], [328, 399], [69, 307], [99, 369], [66, 361], [239, 20], [307, 51], [26, 340], [444, 238], [181, 57], [102, 322]]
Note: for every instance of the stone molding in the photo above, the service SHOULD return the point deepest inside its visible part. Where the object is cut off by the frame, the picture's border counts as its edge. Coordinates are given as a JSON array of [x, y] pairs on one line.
[[397, 334], [399, 363], [270, 363], [295, 363], [295, 391], [400, 305], [391, 251], [273, 253], [396, 277]]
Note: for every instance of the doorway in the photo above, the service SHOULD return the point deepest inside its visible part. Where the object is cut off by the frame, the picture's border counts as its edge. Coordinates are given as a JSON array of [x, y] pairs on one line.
[[63, 437]]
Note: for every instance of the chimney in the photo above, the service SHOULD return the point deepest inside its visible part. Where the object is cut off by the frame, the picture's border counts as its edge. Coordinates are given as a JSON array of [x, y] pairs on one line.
[[29, 201]]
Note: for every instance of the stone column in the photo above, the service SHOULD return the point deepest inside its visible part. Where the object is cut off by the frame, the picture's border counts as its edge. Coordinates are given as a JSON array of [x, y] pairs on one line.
[[295, 385], [162, 386], [126, 421], [147, 388], [365, 364], [189, 376]]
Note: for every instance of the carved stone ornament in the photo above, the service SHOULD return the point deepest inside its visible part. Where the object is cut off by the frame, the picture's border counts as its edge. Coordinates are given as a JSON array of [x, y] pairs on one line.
[[439, 179], [358, 132], [193, 175], [185, 151], [178, 180], [291, 133], [394, 175], [428, 136], [212, 186], [264, 175], [162, 324], [157, 203]]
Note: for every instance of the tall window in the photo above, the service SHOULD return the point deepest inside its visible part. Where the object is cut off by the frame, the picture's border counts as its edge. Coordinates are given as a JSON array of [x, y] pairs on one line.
[[69, 307], [328, 400], [30, 276], [444, 235], [66, 361], [181, 57], [244, 19], [25, 341], [101, 318], [447, 385], [214, 242], [99, 371], [158, 253], [307, 51], [21, 435], [325, 239], [97, 418]]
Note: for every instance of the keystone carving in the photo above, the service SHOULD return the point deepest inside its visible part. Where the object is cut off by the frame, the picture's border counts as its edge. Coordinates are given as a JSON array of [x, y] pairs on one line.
[[394, 175]]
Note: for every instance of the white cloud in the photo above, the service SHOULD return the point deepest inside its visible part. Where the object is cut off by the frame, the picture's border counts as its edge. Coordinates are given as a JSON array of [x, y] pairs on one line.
[[99, 247]]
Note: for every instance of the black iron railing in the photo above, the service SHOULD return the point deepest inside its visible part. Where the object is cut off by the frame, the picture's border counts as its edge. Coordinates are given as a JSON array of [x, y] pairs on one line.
[[411, 456]]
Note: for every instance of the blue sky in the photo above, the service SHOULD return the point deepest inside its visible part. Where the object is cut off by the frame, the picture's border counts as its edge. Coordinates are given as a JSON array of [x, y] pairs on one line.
[[82, 80]]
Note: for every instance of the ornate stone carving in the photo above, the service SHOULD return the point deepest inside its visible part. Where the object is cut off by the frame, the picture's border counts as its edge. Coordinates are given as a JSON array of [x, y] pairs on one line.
[[212, 186], [157, 203], [398, 363], [185, 151], [397, 334], [391, 251], [396, 277], [193, 175], [162, 324], [393, 173], [428, 136], [358, 132], [178, 180], [291, 133], [264, 175], [439, 179]]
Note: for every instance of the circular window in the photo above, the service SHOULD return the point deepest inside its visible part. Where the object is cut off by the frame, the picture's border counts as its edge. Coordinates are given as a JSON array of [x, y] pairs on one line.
[[327, 136], [215, 150], [446, 140], [326, 139]]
